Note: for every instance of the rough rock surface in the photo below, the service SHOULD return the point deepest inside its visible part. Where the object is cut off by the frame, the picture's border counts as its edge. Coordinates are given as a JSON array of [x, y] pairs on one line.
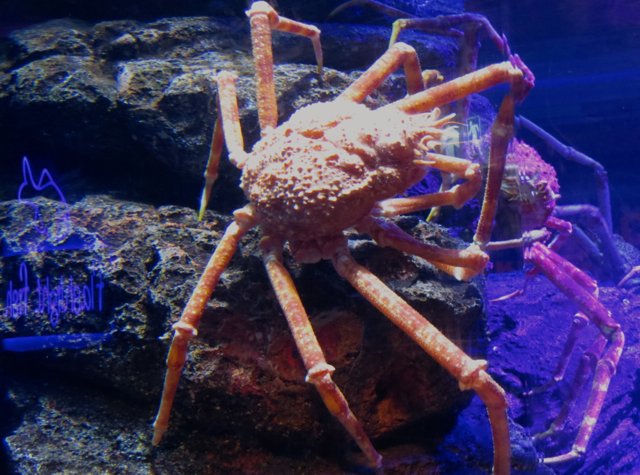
[[242, 399]]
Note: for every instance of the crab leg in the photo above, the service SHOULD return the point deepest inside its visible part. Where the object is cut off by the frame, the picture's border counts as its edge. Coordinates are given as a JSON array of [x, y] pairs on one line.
[[263, 19], [471, 374], [319, 372], [569, 153], [228, 120], [444, 25], [185, 328], [590, 218], [562, 274], [460, 263], [513, 71], [585, 368], [501, 136], [564, 229], [580, 321], [400, 53], [456, 196]]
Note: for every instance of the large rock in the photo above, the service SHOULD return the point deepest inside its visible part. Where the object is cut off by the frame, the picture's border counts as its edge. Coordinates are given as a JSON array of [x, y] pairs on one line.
[[242, 395]]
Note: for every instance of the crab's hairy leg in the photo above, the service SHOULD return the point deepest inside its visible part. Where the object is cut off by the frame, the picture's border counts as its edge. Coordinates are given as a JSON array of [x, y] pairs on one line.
[[227, 126], [468, 84], [389, 62], [460, 263], [319, 372], [263, 19], [561, 273], [501, 136], [456, 196], [186, 327], [470, 374]]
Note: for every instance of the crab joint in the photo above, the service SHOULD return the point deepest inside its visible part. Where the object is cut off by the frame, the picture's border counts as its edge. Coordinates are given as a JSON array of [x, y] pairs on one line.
[[184, 329]]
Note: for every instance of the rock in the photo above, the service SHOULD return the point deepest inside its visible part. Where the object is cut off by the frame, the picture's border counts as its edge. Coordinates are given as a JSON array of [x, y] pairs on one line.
[[242, 397]]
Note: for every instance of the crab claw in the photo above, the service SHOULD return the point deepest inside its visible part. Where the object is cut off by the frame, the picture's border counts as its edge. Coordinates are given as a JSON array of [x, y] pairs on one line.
[[522, 86]]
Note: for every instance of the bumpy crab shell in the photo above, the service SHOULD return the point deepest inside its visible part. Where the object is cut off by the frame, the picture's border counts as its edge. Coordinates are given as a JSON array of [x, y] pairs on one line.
[[531, 184], [323, 170]]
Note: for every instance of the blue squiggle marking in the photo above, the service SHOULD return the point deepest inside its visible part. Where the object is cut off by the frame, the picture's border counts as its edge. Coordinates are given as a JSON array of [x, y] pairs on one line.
[[27, 176]]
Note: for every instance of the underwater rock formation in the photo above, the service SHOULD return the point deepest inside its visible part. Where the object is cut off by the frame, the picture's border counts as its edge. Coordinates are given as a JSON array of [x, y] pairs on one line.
[[244, 381]]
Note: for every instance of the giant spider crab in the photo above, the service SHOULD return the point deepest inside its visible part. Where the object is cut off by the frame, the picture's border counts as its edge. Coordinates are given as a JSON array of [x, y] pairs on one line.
[[531, 186], [338, 165]]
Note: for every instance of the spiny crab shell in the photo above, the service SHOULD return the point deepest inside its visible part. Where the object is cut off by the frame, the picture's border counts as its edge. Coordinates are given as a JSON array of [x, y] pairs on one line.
[[530, 183], [322, 171]]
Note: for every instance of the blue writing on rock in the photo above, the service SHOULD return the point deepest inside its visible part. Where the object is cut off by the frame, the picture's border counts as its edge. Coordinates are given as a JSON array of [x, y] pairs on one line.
[[54, 300]]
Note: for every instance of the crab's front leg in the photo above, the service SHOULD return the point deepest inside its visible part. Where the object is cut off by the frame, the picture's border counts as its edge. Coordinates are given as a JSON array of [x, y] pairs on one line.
[[470, 373], [186, 327], [263, 19], [319, 372]]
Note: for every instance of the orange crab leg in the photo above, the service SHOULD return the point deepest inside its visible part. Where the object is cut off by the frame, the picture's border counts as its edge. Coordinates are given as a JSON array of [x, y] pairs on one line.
[[389, 62], [471, 374], [456, 196], [319, 372], [463, 86], [186, 327], [501, 136], [228, 120], [263, 19], [460, 263]]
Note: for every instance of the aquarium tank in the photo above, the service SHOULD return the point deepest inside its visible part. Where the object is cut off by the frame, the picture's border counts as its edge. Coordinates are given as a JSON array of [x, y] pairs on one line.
[[319, 237]]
